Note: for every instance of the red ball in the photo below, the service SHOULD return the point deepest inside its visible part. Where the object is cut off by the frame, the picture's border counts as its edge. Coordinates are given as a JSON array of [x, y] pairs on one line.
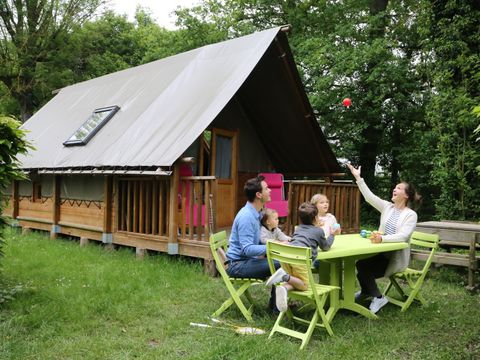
[[347, 102]]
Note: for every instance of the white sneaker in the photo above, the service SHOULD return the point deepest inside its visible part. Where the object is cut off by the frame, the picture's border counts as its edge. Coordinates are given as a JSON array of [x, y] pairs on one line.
[[377, 304], [281, 298], [276, 277]]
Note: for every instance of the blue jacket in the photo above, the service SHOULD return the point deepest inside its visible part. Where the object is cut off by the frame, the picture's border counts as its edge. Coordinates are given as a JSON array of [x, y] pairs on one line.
[[245, 237]]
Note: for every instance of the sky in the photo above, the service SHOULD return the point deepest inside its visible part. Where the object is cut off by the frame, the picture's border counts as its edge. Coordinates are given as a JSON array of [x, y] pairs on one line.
[[161, 9]]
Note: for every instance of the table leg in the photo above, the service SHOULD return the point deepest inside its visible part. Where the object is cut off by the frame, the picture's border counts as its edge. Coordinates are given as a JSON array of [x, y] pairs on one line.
[[348, 301], [335, 275]]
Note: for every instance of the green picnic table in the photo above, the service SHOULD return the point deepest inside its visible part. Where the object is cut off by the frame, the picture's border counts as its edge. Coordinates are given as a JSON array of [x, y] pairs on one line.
[[343, 254]]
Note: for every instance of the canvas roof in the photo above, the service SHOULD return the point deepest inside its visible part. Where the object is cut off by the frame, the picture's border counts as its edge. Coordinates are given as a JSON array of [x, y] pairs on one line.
[[166, 104]]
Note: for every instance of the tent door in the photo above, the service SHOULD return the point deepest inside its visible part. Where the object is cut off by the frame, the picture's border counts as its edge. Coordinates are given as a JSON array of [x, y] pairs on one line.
[[224, 167]]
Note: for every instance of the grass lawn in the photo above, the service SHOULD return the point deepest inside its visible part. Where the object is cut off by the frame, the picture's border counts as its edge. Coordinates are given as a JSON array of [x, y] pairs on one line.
[[88, 303]]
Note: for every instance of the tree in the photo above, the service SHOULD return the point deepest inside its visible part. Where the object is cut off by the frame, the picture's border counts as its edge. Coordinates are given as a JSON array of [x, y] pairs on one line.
[[31, 33], [455, 43], [12, 143], [367, 50]]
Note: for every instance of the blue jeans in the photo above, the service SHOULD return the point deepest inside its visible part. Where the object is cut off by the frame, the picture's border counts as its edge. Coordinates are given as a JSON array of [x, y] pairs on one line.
[[251, 268], [254, 269]]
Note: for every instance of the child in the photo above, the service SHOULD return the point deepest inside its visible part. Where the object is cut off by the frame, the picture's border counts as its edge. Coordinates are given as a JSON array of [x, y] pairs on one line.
[[325, 220], [269, 229], [307, 235]]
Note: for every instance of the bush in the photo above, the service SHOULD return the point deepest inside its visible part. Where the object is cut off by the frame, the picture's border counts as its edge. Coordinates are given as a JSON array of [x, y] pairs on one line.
[[12, 143]]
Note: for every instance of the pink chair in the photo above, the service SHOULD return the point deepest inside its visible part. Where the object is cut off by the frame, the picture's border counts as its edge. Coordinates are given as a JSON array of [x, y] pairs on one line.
[[186, 170], [278, 202]]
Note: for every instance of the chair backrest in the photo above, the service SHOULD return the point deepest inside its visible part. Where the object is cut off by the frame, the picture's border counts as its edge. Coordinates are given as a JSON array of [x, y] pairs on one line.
[[425, 240], [293, 255], [275, 183], [218, 246]]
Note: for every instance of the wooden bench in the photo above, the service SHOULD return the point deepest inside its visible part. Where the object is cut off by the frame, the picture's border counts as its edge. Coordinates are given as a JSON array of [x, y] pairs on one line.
[[454, 234]]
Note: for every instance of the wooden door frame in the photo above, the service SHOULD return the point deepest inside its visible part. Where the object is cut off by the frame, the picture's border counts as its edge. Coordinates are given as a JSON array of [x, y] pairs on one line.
[[233, 134]]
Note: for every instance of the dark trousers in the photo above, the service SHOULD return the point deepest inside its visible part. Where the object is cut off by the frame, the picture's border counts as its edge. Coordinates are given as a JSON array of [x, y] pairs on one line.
[[255, 269], [370, 269]]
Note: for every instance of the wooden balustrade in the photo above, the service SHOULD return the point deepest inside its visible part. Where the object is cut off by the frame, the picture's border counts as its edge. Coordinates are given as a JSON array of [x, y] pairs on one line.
[[197, 201], [143, 206], [344, 202]]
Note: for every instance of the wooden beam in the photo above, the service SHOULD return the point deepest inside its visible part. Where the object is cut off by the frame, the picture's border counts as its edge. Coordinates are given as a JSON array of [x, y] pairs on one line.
[[148, 207], [118, 206], [129, 206], [155, 205], [107, 204], [55, 206], [15, 199], [162, 213], [173, 206]]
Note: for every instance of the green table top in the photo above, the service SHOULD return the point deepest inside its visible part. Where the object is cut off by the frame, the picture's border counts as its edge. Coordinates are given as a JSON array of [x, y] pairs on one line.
[[355, 245]]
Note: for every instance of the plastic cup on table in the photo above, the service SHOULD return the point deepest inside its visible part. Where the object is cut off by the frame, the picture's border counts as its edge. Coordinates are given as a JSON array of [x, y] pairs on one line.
[[365, 233]]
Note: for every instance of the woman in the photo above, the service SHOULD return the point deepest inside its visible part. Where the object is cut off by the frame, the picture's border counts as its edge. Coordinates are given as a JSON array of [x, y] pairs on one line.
[[397, 223]]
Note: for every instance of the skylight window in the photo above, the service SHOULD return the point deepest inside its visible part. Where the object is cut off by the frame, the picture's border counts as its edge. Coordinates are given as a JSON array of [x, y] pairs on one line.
[[90, 127]]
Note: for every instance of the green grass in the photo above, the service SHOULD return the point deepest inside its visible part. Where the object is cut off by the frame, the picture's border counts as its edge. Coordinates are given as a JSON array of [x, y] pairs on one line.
[[89, 303]]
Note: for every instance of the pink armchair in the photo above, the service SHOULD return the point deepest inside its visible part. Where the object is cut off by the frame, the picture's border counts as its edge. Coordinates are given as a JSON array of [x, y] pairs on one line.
[[278, 203]]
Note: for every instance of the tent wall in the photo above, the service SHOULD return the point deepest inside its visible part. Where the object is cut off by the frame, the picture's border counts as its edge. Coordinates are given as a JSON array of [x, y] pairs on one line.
[[82, 187], [252, 155]]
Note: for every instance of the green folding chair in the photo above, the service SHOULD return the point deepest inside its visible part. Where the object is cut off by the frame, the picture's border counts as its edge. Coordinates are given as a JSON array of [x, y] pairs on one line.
[[413, 278], [235, 286], [315, 295]]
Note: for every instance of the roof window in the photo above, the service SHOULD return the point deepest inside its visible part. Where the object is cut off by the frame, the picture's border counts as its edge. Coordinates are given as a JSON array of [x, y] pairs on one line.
[[90, 127]]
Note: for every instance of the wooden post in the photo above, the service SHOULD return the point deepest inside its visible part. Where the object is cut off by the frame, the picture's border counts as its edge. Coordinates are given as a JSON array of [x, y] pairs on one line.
[[117, 203], [107, 204], [83, 241], [107, 210], [472, 263], [15, 199], [209, 267], [140, 253], [55, 207], [290, 209], [173, 210]]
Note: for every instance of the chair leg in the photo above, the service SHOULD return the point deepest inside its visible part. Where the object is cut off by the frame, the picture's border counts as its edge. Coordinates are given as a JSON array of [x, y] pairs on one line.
[[414, 294], [398, 288], [308, 334], [387, 288], [276, 326], [235, 298], [323, 316], [248, 296]]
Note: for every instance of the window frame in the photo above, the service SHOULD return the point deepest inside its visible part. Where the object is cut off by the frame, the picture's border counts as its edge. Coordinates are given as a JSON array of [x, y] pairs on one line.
[[81, 142]]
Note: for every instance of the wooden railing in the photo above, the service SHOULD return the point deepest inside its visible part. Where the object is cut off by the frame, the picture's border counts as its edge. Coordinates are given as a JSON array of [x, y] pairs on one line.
[[143, 206], [197, 201], [344, 202]]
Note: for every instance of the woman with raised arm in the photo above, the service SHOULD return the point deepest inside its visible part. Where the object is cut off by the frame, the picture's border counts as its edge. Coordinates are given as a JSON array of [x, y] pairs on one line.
[[397, 223]]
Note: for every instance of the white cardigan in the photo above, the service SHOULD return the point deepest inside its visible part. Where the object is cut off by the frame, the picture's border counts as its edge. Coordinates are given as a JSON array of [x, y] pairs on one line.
[[406, 224]]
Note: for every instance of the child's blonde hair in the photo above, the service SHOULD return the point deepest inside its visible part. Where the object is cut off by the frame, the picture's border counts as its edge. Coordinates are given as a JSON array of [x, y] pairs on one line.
[[317, 197], [266, 214]]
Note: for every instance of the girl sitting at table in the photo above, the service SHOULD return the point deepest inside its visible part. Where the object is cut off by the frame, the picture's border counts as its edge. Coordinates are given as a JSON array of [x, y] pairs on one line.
[[269, 229], [307, 235], [397, 223], [325, 220]]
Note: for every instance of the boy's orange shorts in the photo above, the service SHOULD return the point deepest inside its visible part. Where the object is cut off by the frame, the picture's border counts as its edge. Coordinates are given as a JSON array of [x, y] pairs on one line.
[[297, 271]]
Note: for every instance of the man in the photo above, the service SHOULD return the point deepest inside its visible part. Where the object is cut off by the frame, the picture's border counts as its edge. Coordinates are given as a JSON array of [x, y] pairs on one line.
[[246, 255]]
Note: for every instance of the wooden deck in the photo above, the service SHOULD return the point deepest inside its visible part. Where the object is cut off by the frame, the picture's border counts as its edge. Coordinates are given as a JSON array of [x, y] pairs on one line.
[[149, 213]]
